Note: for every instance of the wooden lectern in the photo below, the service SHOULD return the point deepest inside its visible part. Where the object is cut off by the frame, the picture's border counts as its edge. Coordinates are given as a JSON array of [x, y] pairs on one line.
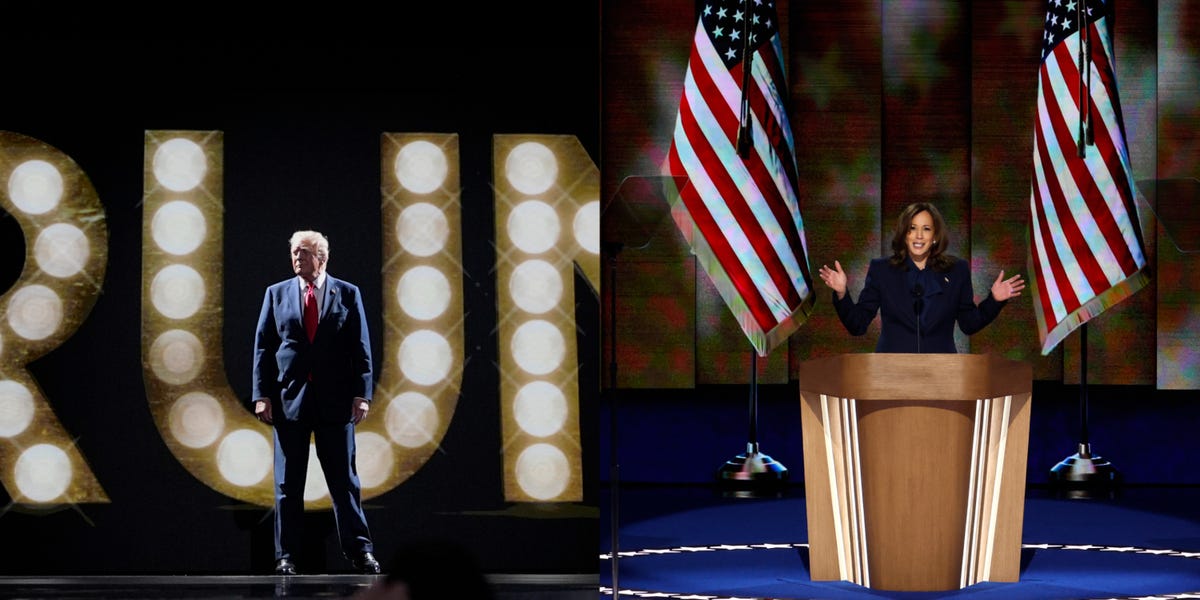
[[914, 468]]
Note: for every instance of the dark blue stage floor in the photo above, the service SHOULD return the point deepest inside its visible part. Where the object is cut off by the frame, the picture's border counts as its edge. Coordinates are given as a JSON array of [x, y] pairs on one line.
[[691, 542], [299, 587]]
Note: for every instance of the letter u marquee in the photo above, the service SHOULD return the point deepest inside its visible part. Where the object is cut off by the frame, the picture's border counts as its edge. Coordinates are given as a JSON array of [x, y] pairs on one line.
[[200, 419]]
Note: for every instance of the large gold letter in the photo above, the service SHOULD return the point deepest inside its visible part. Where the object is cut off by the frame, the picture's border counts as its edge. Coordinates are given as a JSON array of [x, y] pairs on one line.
[[198, 414], [418, 382], [547, 221], [66, 242]]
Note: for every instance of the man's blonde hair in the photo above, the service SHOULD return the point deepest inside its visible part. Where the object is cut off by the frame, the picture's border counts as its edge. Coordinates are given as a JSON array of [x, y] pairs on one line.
[[314, 240]]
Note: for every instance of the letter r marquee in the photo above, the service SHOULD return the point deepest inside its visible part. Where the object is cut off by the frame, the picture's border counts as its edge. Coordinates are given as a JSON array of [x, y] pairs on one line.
[[66, 243]]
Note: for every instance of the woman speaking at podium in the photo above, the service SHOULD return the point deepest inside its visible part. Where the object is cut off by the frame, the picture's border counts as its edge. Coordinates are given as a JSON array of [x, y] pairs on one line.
[[920, 290]]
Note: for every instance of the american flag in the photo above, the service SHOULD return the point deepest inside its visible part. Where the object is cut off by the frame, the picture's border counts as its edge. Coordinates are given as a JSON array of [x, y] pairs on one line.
[[739, 211], [1085, 246]]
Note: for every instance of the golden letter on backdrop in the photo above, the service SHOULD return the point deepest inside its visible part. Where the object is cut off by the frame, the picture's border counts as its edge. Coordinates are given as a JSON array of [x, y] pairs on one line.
[[197, 413], [547, 223], [66, 248]]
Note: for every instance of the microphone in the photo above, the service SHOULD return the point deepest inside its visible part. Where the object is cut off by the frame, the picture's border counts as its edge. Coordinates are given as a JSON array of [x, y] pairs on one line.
[[918, 293]]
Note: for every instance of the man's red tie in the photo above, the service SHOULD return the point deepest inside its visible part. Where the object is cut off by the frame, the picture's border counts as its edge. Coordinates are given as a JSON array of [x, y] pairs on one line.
[[310, 313]]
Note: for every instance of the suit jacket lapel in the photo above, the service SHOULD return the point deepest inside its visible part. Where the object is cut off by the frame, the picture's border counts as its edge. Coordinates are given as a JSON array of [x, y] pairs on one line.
[[330, 296], [292, 304]]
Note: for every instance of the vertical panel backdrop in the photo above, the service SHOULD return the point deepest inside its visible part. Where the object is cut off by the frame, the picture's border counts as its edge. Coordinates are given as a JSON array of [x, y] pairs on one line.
[[1177, 194], [894, 102]]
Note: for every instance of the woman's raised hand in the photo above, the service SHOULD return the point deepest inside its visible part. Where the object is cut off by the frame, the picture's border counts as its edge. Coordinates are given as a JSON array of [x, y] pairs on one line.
[[835, 279], [1003, 289]]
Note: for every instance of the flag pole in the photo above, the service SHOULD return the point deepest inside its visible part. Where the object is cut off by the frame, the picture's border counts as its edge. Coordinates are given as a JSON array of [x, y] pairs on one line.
[[612, 249], [744, 124], [1085, 34], [751, 468], [1084, 472], [752, 472], [1087, 136], [1084, 69]]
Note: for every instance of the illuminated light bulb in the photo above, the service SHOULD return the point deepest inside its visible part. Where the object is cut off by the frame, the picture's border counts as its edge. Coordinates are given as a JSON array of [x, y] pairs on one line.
[[374, 458], [176, 356], [423, 293], [542, 471], [179, 164], [533, 226], [61, 250], [421, 167], [535, 286], [35, 312], [531, 168], [422, 229], [587, 227], [35, 187], [425, 357], [540, 408], [178, 227], [245, 457], [411, 419], [538, 347], [42, 472], [196, 419], [16, 408], [177, 291]]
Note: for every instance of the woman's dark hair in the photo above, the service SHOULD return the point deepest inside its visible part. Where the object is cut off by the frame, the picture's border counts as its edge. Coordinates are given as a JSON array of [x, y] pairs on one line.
[[938, 259]]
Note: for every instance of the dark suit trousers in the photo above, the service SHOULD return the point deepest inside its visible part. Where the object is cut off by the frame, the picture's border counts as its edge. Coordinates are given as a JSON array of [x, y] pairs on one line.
[[335, 450]]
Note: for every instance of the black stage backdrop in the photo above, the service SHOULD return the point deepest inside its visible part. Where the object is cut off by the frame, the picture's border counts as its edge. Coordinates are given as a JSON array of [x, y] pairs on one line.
[[302, 120]]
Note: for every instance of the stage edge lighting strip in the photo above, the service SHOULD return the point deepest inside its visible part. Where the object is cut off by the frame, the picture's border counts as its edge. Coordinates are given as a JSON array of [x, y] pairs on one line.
[[1000, 425], [969, 527], [980, 476], [860, 512], [650, 552], [835, 497]]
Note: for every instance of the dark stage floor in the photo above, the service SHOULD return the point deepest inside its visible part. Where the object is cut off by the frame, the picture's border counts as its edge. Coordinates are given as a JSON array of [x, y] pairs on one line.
[[299, 587], [692, 542]]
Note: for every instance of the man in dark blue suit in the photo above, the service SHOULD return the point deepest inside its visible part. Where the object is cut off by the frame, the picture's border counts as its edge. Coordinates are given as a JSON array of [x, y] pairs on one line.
[[920, 291], [313, 380]]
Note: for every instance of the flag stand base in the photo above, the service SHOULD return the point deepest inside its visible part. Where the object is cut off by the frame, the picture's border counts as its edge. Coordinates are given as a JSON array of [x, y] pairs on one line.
[[1084, 475], [752, 474]]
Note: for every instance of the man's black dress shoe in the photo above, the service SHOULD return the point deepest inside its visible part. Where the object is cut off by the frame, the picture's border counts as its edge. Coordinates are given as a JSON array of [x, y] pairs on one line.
[[366, 563], [285, 567]]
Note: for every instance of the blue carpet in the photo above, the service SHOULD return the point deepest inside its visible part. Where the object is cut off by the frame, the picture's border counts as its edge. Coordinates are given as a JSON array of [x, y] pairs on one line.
[[678, 542]]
